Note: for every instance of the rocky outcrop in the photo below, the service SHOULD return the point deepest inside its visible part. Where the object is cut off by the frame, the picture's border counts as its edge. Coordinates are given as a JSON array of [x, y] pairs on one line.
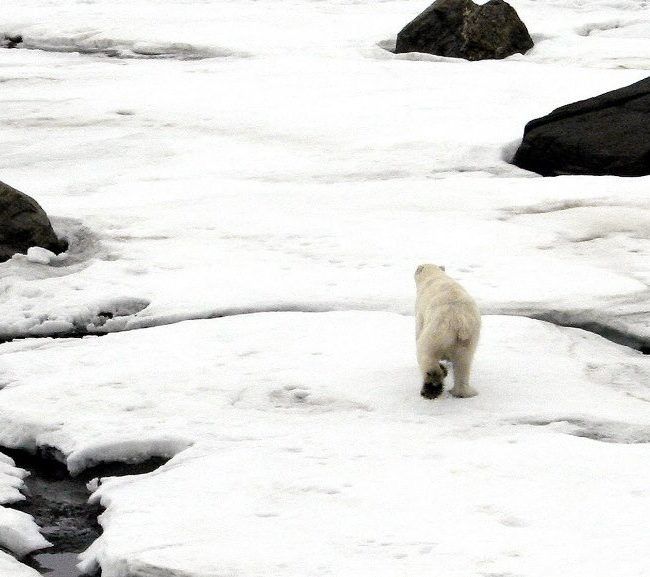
[[605, 135], [462, 29], [23, 224], [8, 41]]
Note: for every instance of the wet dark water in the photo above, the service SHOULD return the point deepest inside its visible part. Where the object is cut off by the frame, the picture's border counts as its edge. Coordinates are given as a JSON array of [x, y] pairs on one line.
[[59, 505], [56, 564]]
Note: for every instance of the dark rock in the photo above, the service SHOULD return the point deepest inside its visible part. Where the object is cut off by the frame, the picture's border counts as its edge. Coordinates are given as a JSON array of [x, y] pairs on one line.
[[605, 135], [8, 41], [23, 224], [462, 29]]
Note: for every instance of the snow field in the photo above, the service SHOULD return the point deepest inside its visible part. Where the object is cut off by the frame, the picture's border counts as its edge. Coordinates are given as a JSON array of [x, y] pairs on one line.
[[322, 156], [293, 417], [274, 164]]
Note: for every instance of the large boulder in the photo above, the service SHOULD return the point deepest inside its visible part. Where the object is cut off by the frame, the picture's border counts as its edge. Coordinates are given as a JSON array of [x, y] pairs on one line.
[[462, 29], [23, 224], [607, 134]]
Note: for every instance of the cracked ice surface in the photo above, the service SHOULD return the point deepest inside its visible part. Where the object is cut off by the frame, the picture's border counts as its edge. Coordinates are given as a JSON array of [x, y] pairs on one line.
[[315, 173], [310, 450], [214, 158]]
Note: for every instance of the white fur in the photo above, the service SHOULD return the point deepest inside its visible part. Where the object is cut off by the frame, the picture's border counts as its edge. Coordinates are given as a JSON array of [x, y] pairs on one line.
[[448, 324]]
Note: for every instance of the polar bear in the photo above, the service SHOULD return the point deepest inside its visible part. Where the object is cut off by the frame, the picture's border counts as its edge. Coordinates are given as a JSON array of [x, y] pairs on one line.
[[447, 327]]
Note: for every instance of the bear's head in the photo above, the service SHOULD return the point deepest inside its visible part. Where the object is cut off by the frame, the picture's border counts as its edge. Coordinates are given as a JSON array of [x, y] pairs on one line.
[[426, 269]]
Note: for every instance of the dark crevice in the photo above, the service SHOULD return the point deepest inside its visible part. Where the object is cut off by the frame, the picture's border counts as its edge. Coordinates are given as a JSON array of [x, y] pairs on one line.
[[101, 319], [602, 431], [76, 334], [120, 49], [59, 504], [608, 332], [91, 325], [559, 318]]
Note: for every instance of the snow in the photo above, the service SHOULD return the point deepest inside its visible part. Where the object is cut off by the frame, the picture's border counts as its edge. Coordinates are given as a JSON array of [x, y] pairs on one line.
[[454, 506], [186, 264], [37, 254], [321, 155], [9, 567], [18, 531], [296, 417], [11, 480], [247, 188], [319, 362]]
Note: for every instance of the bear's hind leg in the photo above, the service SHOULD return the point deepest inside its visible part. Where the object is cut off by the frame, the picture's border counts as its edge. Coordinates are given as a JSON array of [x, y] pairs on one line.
[[462, 363]]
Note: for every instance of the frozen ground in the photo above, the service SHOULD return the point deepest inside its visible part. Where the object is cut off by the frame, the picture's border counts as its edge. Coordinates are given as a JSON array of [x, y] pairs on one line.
[[311, 451], [313, 173], [211, 158]]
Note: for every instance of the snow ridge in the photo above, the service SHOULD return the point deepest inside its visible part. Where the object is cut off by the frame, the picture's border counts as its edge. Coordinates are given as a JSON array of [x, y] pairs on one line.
[[95, 42]]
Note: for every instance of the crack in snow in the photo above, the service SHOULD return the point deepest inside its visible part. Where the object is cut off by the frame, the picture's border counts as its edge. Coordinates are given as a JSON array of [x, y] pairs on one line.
[[60, 506], [577, 320], [604, 431], [95, 43], [121, 316]]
